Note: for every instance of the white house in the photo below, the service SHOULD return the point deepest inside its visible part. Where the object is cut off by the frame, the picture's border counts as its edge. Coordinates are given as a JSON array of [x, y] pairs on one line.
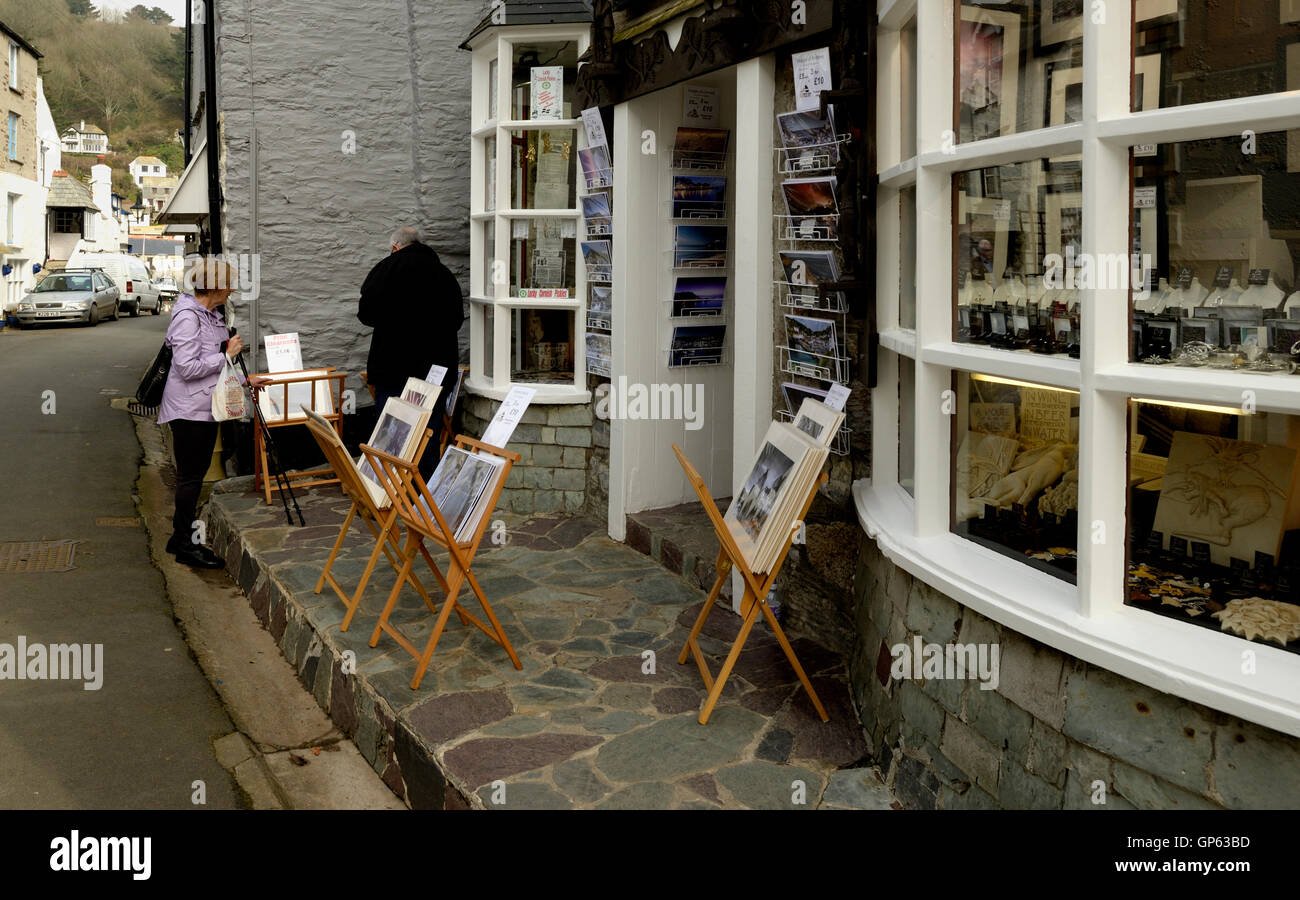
[[146, 167], [22, 190], [84, 138], [80, 216], [155, 192], [49, 150]]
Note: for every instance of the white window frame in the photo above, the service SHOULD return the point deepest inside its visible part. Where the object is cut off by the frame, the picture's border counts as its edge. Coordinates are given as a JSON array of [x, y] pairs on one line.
[[11, 136], [1090, 621], [13, 220], [14, 61], [484, 294]]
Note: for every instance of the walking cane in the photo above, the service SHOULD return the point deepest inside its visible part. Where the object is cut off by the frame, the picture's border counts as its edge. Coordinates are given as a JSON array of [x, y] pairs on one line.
[[281, 480]]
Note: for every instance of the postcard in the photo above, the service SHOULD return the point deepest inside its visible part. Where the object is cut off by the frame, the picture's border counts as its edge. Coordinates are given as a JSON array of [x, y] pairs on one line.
[[595, 209], [795, 394], [699, 196], [809, 140], [810, 339], [701, 148], [812, 207], [597, 256], [599, 346], [699, 296], [595, 167], [700, 246], [601, 302], [695, 345]]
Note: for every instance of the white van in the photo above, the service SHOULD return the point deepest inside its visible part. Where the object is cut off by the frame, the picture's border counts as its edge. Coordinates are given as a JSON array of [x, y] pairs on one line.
[[135, 285]]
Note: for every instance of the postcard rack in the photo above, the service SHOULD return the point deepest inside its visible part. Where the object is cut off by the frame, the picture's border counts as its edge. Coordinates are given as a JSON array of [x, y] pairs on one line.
[[599, 230], [840, 446], [814, 365], [600, 322], [602, 177], [814, 228], [325, 380], [807, 159], [704, 314], [808, 297], [704, 357], [753, 603], [597, 365], [720, 262], [600, 273], [701, 212], [697, 160], [419, 512]]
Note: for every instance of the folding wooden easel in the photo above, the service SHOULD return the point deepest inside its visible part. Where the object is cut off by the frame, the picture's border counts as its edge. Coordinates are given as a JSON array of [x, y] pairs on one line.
[[382, 522], [754, 600], [413, 501], [331, 381]]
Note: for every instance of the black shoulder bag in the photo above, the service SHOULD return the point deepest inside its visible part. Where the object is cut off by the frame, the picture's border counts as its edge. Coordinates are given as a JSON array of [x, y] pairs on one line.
[[150, 391]]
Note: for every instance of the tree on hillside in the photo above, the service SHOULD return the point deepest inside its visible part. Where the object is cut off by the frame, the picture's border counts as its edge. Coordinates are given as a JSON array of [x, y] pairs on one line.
[[83, 8], [153, 16]]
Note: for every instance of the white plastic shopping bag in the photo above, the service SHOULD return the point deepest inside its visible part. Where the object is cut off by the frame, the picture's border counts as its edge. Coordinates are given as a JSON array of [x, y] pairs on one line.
[[228, 401]]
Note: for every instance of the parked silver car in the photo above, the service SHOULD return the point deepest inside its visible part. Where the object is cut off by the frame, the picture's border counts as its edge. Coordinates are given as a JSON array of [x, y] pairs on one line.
[[70, 295]]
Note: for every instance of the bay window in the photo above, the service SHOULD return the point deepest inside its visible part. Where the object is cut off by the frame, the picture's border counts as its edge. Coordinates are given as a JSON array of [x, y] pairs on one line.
[[527, 281], [1067, 437]]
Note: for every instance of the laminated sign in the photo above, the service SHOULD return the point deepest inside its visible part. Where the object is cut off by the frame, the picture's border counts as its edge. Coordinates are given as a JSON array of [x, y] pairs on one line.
[[547, 92]]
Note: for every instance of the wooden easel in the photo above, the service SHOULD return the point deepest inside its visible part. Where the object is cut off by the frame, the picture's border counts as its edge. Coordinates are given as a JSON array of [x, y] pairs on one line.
[[754, 600], [332, 382], [413, 501], [382, 523]]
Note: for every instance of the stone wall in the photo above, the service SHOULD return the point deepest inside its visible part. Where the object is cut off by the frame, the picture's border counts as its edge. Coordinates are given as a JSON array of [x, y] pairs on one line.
[[302, 74], [1053, 728], [22, 102], [554, 443]]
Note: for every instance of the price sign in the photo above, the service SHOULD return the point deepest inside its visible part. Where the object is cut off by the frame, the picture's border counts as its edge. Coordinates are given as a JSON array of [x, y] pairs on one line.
[[812, 75]]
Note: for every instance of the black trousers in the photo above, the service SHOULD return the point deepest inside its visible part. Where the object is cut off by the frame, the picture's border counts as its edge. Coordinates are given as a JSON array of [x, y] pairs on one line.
[[192, 444]]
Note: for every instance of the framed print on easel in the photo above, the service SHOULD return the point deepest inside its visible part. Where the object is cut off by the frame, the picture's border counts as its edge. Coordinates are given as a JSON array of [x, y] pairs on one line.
[[990, 71]]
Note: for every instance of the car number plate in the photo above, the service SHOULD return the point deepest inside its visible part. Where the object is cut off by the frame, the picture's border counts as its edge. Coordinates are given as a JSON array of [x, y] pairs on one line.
[[50, 314]]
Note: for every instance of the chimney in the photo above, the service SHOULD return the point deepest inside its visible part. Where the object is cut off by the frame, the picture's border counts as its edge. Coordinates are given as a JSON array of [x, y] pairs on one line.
[[101, 187], [83, 125], [60, 173]]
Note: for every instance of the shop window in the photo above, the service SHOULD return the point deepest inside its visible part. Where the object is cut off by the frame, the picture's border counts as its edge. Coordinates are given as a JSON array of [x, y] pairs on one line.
[[907, 258], [1020, 66], [67, 221], [1214, 224], [1214, 519], [907, 117], [542, 171], [1016, 470], [1018, 233], [534, 61], [907, 424], [541, 346], [1195, 52], [542, 258]]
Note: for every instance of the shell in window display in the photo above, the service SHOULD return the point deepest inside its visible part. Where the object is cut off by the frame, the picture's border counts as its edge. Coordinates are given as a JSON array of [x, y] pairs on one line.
[[1255, 618], [1063, 498]]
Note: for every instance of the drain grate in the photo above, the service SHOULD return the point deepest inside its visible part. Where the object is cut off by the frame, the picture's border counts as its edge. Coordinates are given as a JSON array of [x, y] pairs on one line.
[[138, 409], [119, 521], [36, 556]]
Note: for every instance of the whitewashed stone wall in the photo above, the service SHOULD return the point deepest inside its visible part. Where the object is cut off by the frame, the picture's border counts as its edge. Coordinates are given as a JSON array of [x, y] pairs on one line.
[[303, 72]]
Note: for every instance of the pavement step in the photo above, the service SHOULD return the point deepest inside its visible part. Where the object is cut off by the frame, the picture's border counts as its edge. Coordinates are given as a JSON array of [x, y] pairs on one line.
[[336, 778]]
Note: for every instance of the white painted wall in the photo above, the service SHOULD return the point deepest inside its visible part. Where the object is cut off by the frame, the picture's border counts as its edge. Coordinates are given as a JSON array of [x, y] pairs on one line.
[[50, 153]]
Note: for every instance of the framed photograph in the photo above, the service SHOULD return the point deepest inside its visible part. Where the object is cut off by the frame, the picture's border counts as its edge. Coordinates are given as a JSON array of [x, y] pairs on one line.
[[697, 345], [699, 295], [313, 395], [699, 196], [812, 207], [421, 393], [983, 224], [1060, 20], [818, 421], [1065, 96], [751, 509], [700, 246], [811, 341], [989, 77], [1146, 82], [397, 432], [459, 484]]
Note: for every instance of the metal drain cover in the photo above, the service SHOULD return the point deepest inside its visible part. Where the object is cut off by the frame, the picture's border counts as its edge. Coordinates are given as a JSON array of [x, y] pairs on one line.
[[36, 556], [139, 409], [119, 521]]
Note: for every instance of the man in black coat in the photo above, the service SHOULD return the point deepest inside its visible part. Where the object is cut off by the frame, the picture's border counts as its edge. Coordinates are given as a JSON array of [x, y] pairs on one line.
[[414, 304]]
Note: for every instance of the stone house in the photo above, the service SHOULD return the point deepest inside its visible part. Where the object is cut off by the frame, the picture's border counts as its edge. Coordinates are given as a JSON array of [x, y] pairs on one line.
[[22, 191]]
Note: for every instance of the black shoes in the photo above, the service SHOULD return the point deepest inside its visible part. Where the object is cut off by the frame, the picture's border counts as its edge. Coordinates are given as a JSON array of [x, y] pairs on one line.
[[195, 555]]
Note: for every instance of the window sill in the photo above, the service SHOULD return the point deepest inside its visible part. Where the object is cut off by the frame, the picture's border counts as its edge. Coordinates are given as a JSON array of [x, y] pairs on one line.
[[1187, 661], [547, 394]]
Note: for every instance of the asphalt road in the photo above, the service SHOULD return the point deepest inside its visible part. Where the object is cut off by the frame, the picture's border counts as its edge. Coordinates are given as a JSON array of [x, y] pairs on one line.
[[145, 737]]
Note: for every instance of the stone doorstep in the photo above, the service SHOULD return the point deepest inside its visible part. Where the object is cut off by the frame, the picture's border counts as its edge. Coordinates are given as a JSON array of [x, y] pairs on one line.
[[444, 772]]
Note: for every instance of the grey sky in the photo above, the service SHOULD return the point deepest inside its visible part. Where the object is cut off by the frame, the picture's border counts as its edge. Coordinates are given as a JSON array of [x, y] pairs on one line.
[[174, 8]]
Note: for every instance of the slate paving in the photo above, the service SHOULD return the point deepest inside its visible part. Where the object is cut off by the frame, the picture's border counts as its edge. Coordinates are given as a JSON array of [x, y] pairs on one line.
[[601, 715]]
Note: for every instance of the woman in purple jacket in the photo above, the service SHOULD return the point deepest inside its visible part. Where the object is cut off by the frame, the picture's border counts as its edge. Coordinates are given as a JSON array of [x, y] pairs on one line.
[[196, 335]]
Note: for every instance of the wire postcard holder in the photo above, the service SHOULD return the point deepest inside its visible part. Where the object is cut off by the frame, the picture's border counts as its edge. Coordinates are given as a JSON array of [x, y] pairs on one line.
[[821, 227], [692, 160], [807, 158], [843, 441], [809, 297], [815, 365]]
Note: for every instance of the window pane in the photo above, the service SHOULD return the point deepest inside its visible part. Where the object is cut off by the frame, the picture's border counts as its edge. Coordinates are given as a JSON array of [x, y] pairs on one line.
[[491, 270], [997, 93], [907, 258], [1215, 223], [541, 346], [906, 422], [1210, 500], [1018, 237], [1016, 470], [542, 255], [554, 101], [490, 175], [542, 169], [1194, 52], [907, 123], [489, 338]]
